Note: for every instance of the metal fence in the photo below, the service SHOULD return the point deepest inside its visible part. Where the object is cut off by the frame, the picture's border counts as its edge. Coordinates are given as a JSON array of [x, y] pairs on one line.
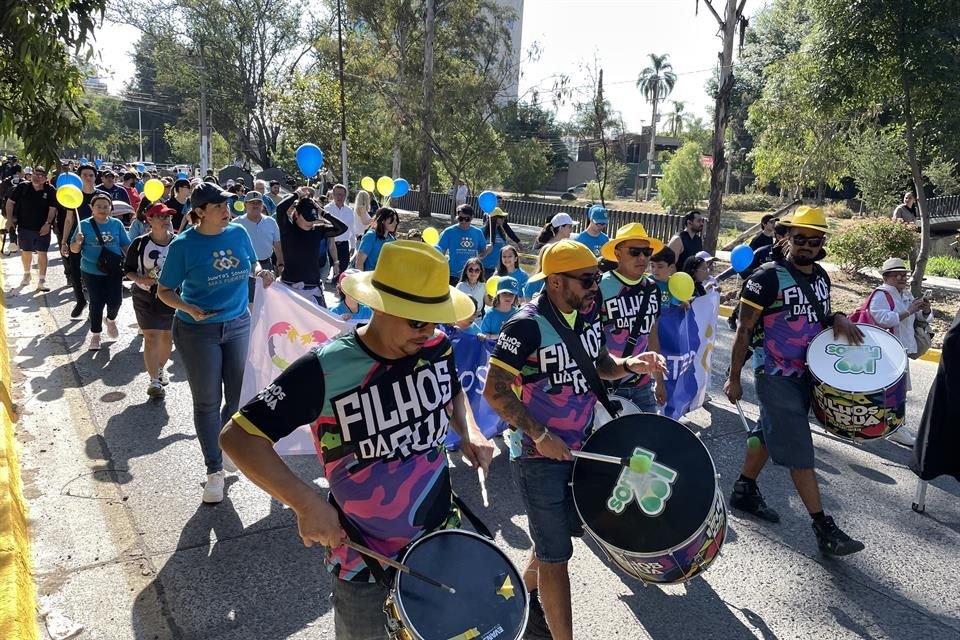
[[538, 214]]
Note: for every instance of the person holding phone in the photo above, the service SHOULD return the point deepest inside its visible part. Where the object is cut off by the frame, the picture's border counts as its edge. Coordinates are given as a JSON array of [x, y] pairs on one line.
[[209, 263]]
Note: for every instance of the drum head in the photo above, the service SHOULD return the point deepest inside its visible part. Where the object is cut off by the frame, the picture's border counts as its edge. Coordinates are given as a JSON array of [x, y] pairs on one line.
[[876, 364], [490, 602], [678, 491]]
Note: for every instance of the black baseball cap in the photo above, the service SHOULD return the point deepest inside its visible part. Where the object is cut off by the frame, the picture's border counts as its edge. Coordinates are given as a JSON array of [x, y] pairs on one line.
[[181, 182], [767, 218], [308, 209], [208, 193]]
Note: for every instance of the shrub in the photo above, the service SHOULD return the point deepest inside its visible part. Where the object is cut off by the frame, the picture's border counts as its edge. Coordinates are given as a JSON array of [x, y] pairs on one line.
[[749, 202], [684, 181], [530, 166], [838, 210], [945, 266], [868, 243]]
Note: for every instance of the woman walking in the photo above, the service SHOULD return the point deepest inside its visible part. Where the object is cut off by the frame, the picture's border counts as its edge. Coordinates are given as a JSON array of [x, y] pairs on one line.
[[144, 263], [385, 228], [101, 242], [210, 263]]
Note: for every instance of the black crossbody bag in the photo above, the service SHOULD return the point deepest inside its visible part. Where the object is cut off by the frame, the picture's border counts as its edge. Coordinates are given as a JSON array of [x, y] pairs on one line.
[[109, 262]]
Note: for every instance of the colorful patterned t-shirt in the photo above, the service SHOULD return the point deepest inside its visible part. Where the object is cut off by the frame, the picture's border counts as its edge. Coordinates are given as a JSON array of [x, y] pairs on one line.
[[548, 380], [622, 305], [379, 427], [788, 322]]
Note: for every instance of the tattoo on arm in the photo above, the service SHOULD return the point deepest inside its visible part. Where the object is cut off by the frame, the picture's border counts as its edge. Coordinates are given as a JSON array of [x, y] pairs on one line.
[[749, 316], [499, 394]]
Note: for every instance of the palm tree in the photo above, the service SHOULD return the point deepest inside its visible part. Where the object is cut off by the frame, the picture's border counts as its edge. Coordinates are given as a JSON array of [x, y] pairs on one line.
[[676, 119], [655, 83]]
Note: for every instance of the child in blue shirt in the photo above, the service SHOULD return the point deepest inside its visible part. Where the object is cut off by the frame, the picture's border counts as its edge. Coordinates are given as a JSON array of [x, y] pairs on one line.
[[504, 306], [349, 309]]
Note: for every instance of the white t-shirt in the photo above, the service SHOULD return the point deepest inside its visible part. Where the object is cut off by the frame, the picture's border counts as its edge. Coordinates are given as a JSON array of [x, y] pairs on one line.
[[152, 260], [890, 318], [345, 215]]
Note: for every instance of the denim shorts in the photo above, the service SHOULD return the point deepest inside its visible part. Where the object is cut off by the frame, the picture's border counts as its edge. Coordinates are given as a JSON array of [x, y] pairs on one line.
[[784, 405], [545, 490], [32, 240], [640, 395]]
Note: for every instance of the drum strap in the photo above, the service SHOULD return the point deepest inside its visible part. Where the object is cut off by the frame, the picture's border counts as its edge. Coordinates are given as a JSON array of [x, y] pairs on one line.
[[804, 285], [637, 323], [575, 348], [475, 520], [376, 570]]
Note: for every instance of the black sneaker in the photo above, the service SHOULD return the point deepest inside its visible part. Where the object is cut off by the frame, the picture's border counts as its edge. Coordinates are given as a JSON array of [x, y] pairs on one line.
[[537, 628], [832, 540], [746, 497], [78, 309]]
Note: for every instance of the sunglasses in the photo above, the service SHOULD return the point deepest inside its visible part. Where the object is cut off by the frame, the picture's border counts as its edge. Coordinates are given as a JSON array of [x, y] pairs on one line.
[[587, 280], [416, 324], [474, 270], [804, 241], [640, 251], [463, 219]]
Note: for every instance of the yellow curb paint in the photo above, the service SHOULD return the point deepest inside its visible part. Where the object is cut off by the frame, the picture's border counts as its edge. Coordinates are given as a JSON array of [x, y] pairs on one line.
[[933, 355], [18, 599]]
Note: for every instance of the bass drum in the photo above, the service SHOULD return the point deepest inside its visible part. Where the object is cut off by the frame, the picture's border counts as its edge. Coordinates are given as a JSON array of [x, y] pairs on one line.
[[490, 600], [664, 526], [859, 392], [601, 416]]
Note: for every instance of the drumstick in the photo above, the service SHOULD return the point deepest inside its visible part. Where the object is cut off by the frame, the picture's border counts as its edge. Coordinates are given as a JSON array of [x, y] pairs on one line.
[[483, 486], [390, 562], [752, 441], [637, 463]]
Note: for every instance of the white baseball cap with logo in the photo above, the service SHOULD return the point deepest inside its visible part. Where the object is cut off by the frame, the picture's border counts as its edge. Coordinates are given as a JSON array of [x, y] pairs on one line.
[[561, 219]]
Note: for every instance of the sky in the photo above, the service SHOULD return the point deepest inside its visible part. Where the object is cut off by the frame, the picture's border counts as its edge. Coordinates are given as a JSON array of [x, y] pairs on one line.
[[618, 34]]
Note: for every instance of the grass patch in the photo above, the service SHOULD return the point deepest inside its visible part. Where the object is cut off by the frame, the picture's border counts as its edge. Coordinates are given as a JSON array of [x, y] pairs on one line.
[[944, 266]]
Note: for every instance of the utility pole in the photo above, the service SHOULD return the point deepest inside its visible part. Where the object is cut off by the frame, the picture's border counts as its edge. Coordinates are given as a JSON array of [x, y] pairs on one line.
[[204, 135], [731, 20], [426, 125], [343, 102], [140, 132]]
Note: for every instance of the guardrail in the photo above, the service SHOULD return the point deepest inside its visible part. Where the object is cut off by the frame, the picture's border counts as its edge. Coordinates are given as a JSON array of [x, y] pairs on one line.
[[537, 214]]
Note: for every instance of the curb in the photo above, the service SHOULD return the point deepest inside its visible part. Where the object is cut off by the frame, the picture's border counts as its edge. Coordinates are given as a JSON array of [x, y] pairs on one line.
[[932, 355], [17, 593]]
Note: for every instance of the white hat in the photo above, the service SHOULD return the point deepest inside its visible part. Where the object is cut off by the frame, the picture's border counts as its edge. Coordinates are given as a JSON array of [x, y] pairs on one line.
[[28, 171], [705, 255], [561, 219], [892, 265]]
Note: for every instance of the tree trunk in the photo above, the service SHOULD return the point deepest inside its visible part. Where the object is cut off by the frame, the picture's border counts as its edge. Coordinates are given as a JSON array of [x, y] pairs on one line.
[[721, 117], [426, 149], [653, 144], [916, 287]]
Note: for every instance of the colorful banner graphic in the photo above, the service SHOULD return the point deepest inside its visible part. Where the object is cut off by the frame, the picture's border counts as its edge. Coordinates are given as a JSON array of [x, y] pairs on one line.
[[472, 356], [285, 326], [687, 338]]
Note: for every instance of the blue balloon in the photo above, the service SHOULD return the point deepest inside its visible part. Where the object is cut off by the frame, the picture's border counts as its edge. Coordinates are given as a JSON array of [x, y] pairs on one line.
[[309, 159], [487, 201], [84, 160], [98, 162], [69, 178], [140, 168], [400, 188], [182, 175], [741, 258]]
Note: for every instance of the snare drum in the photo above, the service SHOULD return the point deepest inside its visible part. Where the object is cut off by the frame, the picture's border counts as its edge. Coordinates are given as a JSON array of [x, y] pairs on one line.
[[490, 600], [664, 526], [859, 392]]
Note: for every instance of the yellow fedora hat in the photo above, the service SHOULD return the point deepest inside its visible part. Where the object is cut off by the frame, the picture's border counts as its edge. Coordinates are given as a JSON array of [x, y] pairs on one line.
[[807, 218], [629, 231], [412, 281]]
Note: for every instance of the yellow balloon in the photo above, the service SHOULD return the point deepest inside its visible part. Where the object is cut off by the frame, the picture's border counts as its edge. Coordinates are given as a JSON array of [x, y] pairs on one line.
[[153, 189], [69, 196], [239, 206], [385, 186], [431, 236], [492, 286], [681, 286], [368, 184]]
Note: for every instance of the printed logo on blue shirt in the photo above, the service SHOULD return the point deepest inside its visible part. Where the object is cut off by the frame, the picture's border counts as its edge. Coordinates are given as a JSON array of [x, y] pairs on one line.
[[223, 260]]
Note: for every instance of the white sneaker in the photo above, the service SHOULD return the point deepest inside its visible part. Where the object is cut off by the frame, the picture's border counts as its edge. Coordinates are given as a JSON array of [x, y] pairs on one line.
[[162, 377], [155, 389], [213, 491], [228, 464], [94, 342], [902, 436], [112, 330]]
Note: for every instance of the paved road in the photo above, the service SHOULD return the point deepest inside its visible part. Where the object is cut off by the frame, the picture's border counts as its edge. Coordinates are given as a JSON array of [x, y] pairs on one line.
[[123, 546]]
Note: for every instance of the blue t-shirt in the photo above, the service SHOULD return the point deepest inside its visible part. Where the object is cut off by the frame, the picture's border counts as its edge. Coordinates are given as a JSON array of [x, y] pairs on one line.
[[212, 271], [371, 245], [114, 237], [494, 319], [666, 298], [493, 258], [593, 243], [138, 228], [533, 288], [460, 246], [363, 314]]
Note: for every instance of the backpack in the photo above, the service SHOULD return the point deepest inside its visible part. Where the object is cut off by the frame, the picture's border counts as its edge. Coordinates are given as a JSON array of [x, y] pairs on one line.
[[863, 315]]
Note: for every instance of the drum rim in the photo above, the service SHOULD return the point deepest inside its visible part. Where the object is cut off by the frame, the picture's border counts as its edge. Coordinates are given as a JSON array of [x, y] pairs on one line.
[[867, 329], [599, 405], [716, 483], [395, 590]]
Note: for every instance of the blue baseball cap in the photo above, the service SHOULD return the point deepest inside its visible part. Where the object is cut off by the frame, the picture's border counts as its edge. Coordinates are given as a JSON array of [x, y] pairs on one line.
[[599, 214], [508, 284]]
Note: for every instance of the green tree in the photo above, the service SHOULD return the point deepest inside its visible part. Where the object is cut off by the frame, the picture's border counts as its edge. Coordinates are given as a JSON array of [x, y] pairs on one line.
[[656, 82], [684, 181], [185, 145], [676, 118], [523, 120], [530, 168], [877, 162], [41, 43]]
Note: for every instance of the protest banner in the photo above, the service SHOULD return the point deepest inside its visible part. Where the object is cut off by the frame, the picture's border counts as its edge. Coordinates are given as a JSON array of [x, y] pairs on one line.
[[687, 339], [472, 356]]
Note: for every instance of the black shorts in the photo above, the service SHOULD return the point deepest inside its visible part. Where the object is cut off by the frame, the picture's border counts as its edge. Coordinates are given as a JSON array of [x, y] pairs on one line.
[[29, 240], [151, 312]]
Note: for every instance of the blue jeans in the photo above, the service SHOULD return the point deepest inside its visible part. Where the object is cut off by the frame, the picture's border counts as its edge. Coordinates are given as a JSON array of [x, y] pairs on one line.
[[104, 291], [548, 499], [784, 404], [214, 356], [642, 396], [358, 610]]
